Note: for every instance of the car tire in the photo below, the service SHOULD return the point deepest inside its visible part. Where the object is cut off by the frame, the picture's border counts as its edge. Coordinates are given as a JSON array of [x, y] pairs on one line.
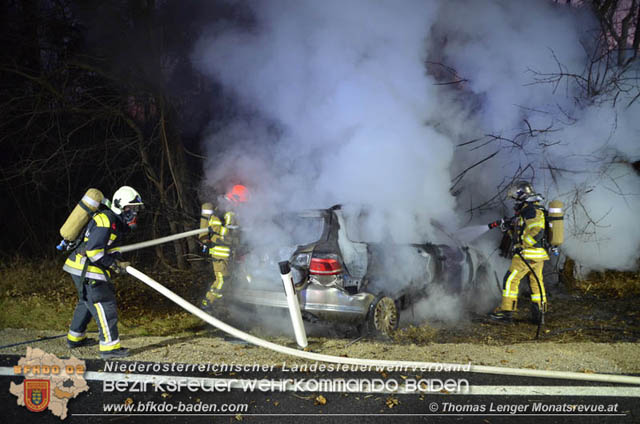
[[383, 318]]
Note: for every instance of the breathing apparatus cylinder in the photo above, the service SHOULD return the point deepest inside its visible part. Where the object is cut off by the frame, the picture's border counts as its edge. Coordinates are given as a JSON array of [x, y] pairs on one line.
[[205, 215], [79, 217], [556, 223]]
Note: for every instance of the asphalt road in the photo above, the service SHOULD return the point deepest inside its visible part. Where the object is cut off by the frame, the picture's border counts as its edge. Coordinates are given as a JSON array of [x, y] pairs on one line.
[[492, 398]]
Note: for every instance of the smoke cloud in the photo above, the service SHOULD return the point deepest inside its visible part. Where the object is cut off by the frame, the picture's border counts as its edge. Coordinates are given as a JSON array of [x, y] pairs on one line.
[[339, 99], [341, 102], [572, 148]]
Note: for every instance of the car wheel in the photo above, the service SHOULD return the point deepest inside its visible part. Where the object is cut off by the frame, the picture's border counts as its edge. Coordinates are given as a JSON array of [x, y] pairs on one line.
[[383, 317]]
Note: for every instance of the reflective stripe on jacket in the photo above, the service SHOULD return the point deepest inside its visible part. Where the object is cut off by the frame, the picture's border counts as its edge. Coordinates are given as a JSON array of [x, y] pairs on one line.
[[101, 234], [220, 227], [530, 226]]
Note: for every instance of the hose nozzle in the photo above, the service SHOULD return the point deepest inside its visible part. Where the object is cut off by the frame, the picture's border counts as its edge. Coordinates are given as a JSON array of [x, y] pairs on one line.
[[495, 224], [503, 223]]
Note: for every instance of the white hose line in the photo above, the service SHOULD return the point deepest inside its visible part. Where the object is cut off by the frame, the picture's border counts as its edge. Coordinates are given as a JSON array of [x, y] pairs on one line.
[[160, 240], [609, 378]]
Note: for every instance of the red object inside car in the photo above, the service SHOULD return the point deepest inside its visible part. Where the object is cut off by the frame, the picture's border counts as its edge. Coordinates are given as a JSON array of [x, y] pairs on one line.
[[325, 266]]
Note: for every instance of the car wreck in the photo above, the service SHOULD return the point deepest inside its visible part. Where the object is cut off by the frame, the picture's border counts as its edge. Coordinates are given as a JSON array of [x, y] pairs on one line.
[[339, 280]]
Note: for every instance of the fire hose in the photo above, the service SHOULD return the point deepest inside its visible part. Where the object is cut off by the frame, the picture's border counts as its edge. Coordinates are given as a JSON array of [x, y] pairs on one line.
[[503, 223], [160, 240], [542, 296], [483, 369]]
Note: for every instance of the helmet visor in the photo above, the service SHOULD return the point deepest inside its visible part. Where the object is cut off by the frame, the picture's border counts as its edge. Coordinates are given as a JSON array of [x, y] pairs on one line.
[[135, 208]]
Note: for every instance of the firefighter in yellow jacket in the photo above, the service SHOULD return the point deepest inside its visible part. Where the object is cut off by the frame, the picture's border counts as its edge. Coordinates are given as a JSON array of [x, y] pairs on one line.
[[91, 266], [221, 239], [529, 253]]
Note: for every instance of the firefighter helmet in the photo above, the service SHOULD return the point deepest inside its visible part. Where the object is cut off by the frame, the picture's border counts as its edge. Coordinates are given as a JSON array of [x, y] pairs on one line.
[[520, 191], [237, 194], [125, 196]]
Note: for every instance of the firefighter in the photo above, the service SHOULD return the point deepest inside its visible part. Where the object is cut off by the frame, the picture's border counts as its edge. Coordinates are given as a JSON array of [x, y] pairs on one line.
[[91, 266], [529, 253], [221, 239]]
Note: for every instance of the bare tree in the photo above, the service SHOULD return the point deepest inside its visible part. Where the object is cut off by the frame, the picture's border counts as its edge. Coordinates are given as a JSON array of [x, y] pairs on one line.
[[86, 103]]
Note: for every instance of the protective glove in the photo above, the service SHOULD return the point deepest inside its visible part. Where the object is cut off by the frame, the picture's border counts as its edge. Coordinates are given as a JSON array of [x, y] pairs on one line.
[[205, 248], [517, 250], [120, 267]]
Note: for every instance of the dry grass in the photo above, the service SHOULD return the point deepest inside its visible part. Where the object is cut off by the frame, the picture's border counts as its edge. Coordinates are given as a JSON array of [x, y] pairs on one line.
[[39, 295], [614, 284]]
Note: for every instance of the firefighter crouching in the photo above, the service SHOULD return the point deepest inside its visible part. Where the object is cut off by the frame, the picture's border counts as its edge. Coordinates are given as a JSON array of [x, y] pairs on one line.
[[220, 240], [91, 265], [527, 230]]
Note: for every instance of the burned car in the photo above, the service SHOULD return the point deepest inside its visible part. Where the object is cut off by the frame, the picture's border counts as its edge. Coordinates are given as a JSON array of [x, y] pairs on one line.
[[339, 280]]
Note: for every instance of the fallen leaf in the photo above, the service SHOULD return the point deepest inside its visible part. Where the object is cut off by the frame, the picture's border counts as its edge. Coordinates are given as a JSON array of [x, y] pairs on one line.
[[391, 402]]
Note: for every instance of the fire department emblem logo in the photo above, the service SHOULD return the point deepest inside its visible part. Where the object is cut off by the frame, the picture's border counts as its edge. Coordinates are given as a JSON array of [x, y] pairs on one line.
[[49, 382], [36, 394]]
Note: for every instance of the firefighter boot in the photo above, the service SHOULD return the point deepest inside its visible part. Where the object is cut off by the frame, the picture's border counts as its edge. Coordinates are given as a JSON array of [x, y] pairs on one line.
[[115, 353], [211, 295], [537, 314], [501, 316], [80, 343]]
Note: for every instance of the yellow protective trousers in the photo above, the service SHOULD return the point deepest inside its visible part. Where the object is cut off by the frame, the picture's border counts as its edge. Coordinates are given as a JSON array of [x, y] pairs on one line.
[[220, 270], [517, 271]]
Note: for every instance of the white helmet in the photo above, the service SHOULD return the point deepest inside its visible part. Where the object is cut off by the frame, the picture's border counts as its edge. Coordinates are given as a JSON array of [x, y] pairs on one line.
[[125, 196]]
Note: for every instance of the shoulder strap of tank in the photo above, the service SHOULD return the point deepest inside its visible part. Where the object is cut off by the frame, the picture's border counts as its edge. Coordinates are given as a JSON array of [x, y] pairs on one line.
[[81, 244], [539, 206], [528, 211], [545, 233]]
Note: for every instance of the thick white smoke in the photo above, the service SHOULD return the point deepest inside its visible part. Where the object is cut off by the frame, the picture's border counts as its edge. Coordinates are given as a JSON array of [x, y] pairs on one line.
[[344, 86], [505, 50], [334, 104]]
